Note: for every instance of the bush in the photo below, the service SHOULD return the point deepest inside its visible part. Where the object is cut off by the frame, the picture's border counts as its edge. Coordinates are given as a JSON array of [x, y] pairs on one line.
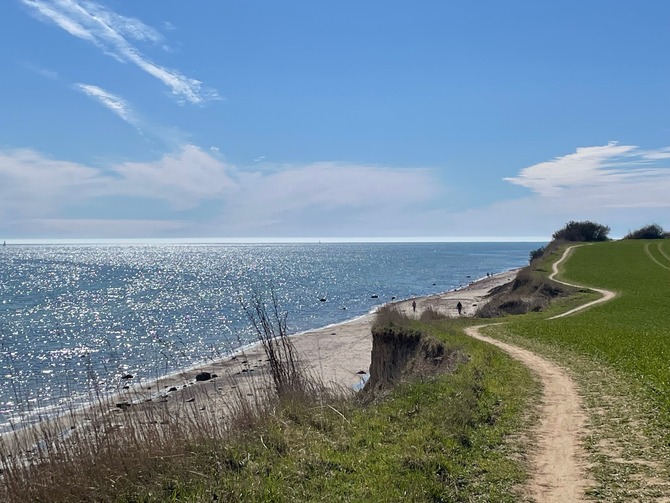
[[653, 231], [582, 231], [536, 253]]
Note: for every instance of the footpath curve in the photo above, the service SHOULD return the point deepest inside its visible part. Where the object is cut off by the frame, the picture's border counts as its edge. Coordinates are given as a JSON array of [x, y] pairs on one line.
[[606, 294], [558, 460]]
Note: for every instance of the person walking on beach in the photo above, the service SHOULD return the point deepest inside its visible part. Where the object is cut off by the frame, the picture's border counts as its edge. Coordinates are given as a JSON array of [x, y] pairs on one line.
[[459, 306], [414, 306]]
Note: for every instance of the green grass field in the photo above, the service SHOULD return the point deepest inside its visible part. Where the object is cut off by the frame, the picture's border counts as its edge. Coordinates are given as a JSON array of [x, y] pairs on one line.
[[632, 332], [617, 353]]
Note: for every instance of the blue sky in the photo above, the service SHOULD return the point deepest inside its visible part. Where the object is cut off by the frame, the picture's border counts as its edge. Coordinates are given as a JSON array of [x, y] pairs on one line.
[[295, 119]]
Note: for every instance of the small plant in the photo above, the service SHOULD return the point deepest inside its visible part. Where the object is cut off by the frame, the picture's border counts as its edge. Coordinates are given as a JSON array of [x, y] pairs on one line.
[[269, 324], [431, 314], [389, 315]]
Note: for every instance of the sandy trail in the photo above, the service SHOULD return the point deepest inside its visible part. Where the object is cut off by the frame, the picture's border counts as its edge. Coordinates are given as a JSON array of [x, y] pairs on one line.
[[559, 458], [606, 294]]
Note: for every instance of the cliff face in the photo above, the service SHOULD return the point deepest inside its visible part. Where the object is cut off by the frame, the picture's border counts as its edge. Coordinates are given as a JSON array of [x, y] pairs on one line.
[[399, 353], [530, 291]]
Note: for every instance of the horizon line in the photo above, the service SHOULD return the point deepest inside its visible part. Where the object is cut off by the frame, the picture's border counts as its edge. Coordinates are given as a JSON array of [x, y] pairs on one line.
[[282, 240]]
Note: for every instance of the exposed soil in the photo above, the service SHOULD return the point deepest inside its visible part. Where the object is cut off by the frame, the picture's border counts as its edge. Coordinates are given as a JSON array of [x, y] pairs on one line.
[[401, 353]]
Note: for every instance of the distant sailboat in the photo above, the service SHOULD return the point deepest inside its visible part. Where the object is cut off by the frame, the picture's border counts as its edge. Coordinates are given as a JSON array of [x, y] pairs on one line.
[[4, 243]]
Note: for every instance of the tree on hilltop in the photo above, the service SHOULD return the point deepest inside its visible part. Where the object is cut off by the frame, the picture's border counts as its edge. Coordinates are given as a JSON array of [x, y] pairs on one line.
[[582, 231], [653, 231]]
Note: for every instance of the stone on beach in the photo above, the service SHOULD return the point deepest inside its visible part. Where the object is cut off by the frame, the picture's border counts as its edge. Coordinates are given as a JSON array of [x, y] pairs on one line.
[[203, 376]]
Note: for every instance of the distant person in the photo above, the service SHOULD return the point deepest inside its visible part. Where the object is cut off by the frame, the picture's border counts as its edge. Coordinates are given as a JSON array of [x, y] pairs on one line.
[[459, 306], [414, 306]]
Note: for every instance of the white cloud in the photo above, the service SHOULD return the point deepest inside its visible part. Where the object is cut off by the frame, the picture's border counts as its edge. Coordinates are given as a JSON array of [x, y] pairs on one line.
[[333, 185], [114, 103], [97, 227], [611, 175], [197, 194], [184, 179], [339, 199], [34, 185], [113, 34], [219, 199]]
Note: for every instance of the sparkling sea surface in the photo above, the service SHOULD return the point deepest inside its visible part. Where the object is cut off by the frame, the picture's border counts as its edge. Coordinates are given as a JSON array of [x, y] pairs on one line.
[[74, 319]]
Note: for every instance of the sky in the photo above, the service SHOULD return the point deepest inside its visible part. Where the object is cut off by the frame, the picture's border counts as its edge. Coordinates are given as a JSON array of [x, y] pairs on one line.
[[247, 119]]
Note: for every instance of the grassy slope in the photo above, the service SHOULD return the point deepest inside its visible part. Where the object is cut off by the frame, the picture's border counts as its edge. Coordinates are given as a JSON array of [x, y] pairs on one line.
[[617, 353], [631, 332], [444, 439]]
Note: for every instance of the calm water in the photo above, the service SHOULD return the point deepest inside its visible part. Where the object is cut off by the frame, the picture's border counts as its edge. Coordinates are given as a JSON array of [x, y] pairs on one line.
[[75, 318]]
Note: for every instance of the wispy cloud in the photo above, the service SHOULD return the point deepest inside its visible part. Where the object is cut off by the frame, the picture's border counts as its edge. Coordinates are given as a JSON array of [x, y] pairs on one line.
[[44, 72], [114, 103], [114, 34], [609, 175], [209, 197], [193, 192]]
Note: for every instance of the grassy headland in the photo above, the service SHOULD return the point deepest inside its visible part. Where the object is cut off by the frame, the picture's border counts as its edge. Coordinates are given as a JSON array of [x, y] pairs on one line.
[[443, 438], [629, 333]]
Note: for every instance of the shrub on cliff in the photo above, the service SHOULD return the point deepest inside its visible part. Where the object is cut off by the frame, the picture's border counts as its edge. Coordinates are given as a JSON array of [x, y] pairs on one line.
[[537, 253], [529, 292]]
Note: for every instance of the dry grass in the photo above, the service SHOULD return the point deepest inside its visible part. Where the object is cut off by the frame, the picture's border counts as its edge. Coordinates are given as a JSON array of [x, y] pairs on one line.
[[115, 447]]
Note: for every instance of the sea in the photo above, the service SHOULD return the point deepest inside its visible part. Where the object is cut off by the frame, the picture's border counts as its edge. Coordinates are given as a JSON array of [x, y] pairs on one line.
[[75, 319]]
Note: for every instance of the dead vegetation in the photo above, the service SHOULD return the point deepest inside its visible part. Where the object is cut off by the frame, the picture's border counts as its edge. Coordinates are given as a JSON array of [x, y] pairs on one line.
[[529, 292], [114, 448]]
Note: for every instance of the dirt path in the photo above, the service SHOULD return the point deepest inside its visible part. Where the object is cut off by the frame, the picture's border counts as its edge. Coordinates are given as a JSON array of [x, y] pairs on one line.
[[559, 467], [606, 294], [559, 459]]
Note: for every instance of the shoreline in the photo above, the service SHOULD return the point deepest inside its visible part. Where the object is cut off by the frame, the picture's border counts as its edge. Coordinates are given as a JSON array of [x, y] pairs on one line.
[[338, 354], [347, 344]]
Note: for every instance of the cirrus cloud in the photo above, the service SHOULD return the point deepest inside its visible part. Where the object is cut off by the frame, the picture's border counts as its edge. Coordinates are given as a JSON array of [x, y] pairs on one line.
[[114, 35]]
